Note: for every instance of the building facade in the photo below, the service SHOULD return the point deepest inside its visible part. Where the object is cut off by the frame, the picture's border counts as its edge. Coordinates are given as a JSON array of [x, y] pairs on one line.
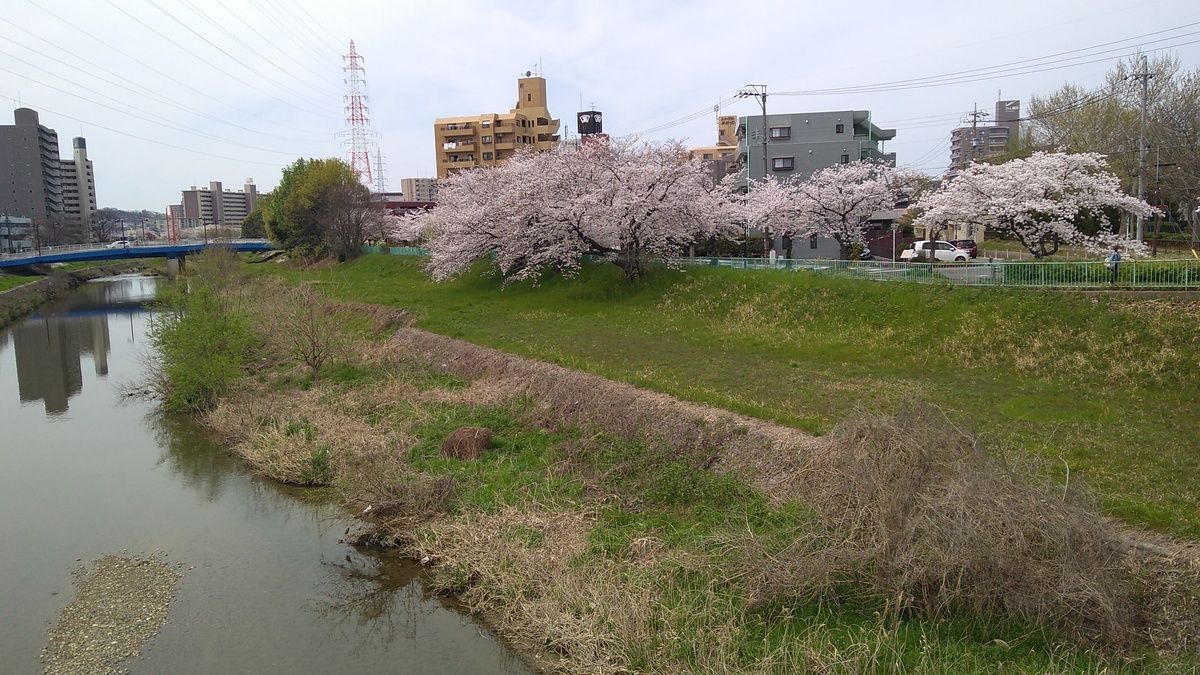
[[79, 186], [980, 141], [491, 138], [30, 173], [419, 189], [216, 206], [798, 144]]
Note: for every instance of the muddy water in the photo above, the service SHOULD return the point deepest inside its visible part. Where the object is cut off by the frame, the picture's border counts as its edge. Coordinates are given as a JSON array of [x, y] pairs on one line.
[[266, 586]]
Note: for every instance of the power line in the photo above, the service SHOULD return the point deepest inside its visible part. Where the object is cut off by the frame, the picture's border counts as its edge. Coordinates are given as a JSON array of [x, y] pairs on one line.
[[217, 47], [209, 63], [151, 68], [1007, 69], [150, 140], [138, 91]]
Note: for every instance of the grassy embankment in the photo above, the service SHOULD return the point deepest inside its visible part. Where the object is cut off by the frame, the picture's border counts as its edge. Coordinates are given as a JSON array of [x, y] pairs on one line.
[[612, 544], [623, 550], [1106, 390]]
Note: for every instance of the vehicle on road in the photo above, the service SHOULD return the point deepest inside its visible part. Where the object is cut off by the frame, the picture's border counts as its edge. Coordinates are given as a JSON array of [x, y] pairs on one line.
[[968, 245], [120, 243], [943, 251]]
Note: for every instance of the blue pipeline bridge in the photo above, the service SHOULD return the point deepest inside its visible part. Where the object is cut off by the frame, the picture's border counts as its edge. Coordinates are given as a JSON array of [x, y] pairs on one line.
[[150, 249]]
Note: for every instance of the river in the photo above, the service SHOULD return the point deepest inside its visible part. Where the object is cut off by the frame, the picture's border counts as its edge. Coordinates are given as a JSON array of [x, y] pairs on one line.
[[266, 585]]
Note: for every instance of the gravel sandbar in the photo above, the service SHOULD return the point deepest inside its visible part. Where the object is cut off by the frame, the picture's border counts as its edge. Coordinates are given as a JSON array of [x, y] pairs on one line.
[[120, 604]]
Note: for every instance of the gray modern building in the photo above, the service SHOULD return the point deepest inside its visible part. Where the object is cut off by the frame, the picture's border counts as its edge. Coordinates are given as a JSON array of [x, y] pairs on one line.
[[799, 144], [58, 195], [979, 141]]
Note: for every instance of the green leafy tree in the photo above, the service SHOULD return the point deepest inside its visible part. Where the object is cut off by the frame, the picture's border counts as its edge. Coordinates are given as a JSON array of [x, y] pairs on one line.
[[254, 226], [321, 208], [290, 221]]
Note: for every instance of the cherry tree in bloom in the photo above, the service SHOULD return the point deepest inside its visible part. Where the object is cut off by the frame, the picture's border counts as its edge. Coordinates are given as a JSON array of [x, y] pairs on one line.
[[836, 201], [1037, 201], [624, 201]]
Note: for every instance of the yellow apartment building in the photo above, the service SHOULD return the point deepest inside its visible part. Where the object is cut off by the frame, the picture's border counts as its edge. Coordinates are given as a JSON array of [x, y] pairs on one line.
[[489, 139], [727, 142]]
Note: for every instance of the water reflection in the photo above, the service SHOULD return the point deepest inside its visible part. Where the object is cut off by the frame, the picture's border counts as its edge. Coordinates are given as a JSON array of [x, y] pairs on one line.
[[51, 344]]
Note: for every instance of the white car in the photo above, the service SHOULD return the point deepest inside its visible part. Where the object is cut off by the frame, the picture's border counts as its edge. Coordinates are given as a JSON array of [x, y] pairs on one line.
[[120, 243], [942, 250]]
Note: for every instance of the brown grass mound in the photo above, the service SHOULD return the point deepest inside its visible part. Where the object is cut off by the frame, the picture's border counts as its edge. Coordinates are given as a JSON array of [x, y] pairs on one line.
[[915, 511], [467, 443]]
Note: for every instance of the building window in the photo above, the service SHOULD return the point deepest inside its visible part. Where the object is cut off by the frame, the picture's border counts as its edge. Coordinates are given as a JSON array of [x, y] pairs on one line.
[[840, 128], [812, 241], [485, 124], [783, 163], [845, 159], [487, 139], [487, 155], [781, 132], [708, 155]]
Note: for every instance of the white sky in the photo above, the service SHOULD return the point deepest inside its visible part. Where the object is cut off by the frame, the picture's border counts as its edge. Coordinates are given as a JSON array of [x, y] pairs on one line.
[[175, 93]]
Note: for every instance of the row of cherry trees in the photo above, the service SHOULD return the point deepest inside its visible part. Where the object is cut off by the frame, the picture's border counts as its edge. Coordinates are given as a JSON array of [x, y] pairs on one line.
[[630, 203]]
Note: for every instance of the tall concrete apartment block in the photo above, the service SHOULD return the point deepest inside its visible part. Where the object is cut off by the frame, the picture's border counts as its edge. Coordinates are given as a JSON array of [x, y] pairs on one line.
[[419, 189], [79, 185], [58, 195], [216, 206], [799, 144], [980, 141], [490, 138]]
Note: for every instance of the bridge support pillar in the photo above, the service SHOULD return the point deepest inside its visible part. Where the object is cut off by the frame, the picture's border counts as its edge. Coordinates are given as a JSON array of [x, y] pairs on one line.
[[174, 266]]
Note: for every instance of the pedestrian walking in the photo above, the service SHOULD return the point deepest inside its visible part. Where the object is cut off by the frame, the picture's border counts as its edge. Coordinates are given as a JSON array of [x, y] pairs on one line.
[[1114, 264]]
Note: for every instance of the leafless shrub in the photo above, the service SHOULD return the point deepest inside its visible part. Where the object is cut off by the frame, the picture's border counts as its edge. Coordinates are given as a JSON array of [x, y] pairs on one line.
[[918, 513], [299, 323]]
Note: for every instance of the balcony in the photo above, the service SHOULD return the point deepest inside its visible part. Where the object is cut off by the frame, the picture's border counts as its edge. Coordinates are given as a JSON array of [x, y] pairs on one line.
[[450, 130]]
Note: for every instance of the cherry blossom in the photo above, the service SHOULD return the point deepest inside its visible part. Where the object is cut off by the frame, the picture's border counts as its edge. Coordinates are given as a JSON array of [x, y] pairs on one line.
[[1038, 201], [624, 201], [836, 201]]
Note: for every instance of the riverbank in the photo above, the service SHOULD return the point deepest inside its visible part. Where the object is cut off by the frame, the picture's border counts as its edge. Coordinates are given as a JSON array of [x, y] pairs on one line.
[[609, 528], [18, 301]]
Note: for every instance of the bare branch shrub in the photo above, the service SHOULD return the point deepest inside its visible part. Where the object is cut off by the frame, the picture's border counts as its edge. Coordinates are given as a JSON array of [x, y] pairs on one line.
[[919, 514], [301, 324]]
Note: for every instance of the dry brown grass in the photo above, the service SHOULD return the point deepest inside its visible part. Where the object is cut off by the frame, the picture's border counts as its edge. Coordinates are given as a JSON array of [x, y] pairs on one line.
[[915, 512], [289, 438]]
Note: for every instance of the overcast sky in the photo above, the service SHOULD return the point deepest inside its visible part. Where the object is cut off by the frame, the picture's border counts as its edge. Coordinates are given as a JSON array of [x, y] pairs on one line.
[[175, 93]]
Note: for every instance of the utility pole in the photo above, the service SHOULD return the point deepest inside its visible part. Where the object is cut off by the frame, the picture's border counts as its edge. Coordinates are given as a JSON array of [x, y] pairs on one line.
[[758, 91], [1144, 76], [975, 115]]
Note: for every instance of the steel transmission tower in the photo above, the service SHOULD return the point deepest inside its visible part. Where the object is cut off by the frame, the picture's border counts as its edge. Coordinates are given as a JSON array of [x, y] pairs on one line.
[[356, 117], [380, 181]]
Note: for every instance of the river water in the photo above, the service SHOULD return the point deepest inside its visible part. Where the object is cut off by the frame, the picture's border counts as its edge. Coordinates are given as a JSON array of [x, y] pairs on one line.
[[266, 586]]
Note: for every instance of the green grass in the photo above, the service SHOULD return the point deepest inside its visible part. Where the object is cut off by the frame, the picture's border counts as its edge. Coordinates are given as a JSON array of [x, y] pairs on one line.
[[1104, 389], [8, 281]]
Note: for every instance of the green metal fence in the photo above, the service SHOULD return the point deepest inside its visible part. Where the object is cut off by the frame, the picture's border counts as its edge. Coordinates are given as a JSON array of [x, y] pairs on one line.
[[1138, 274], [1090, 274]]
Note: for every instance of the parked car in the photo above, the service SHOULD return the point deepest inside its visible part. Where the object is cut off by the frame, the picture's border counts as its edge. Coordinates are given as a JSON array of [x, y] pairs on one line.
[[120, 243], [967, 245], [942, 250], [865, 254]]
